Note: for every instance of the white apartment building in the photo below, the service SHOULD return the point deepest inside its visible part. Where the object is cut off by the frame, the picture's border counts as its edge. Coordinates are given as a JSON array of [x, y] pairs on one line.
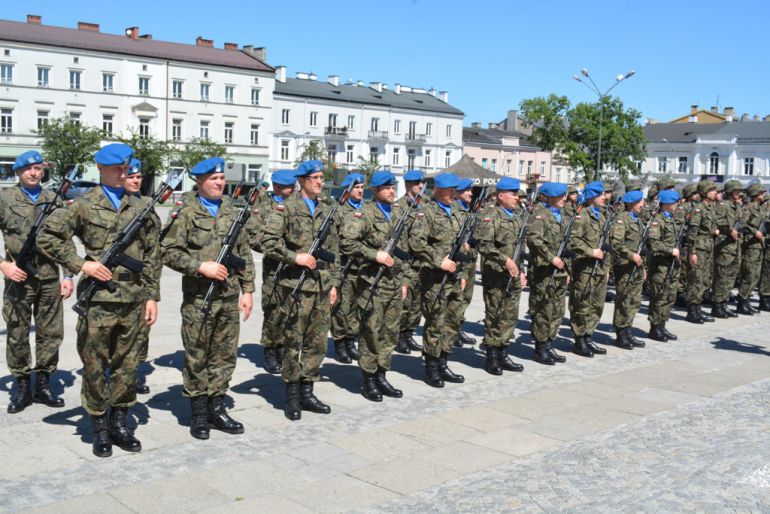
[[402, 128], [132, 82]]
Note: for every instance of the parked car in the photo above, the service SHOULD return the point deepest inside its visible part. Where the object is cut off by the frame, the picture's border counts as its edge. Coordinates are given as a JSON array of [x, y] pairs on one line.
[[79, 188]]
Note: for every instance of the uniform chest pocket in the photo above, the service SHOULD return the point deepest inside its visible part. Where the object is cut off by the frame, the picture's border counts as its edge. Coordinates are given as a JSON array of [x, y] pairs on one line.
[[21, 219], [97, 232], [506, 235], [201, 232]]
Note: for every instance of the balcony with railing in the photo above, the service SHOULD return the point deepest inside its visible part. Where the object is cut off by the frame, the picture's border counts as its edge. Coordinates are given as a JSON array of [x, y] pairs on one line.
[[378, 135], [414, 138], [335, 132]]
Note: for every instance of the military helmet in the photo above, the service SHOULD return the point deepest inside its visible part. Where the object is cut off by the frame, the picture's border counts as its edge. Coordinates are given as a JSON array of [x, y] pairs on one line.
[[755, 190], [733, 185], [704, 186]]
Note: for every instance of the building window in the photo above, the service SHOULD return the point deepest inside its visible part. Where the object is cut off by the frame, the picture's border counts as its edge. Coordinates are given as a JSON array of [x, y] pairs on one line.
[[529, 168], [205, 88], [332, 150], [397, 127], [396, 155], [204, 134], [448, 159], [255, 96], [682, 167], [176, 129], [508, 164], [494, 165], [108, 79], [351, 122], [254, 135], [176, 89], [374, 154], [557, 178], [484, 163], [6, 121], [75, 117], [284, 150], [748, 166], [255, 172], [542, 168], [714, 163], [144, 127], [662, 164], [375, 127], [75, 79], [229, 132], [313, 119], [229, 94], [6, 73], [428, 128], [521, 168], [412, 128], [285, 116], [42, 119], [427, 158], [144, 86], [349, 154], [449, 131], [42, 76], [332, 120], [410, 158], [107, 123]]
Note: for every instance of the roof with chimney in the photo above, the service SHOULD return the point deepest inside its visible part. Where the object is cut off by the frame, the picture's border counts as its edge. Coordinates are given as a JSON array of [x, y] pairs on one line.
[[745, 132], [358, 93], [88, 37]]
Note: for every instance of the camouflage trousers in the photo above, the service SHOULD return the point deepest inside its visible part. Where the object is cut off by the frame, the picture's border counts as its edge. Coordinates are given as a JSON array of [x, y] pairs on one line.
[[143, 341], [663, 290], [699, 277], [271, 311], [727, 263], [764, 281], [546, 303], [586, 297], [41, 301], [305, 328], [751, 270], [107, 345], [345, 321], [457, 315], [440, 331], [380, 317], [628, 294], [411, 312], [501, 311], [210, 345]]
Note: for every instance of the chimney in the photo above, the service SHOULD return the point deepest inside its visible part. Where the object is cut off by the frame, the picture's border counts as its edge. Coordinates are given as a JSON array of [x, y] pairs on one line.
[[729, 111], [693, 109], [756, 117], [745, 116], [714, 109], [200, 41], [397, 89], [231, 46], [377, 86], [443, 96], [492, 125], [360, 83], [334, 80], [258, 53], [34, 19], [312, 76], [90, 27], [475, 124], [766, 118], [302, 75], [280, 73], [132, 33], [432, 91], [512, 120]]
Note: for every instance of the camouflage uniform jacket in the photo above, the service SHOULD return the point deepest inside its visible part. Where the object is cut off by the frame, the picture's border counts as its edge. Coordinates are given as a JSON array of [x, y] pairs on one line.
[[342, 217], [625, 235], [433, 234], [702, 228], [661, 238], [196, 237], [544, 235], [726, 214], [94, 220], [410, 270], [751, 223], [585, 236], [497, 234]]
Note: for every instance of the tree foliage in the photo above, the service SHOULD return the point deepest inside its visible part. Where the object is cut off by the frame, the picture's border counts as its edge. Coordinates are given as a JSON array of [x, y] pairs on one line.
[[197, 149], [67, 144], [153, 153], [315, 150], [368, 165]]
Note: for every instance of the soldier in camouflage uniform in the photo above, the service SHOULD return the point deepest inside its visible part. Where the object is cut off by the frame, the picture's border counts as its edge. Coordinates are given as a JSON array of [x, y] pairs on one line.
[[587, 293], [701, 234], [753, 242], [498, 236], [345, 321], [570, 206], [457, 316], [661, 242], [686, 205], [39, 295], [727, 255], [284, 183], [546, 299], [107, 337], [412, 309], [210, 339], [287, 238], [364, 236], [764, 280], [435, 230]]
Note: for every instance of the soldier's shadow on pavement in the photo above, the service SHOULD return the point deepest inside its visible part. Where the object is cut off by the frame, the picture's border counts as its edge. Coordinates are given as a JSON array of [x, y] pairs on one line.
[[344, 376], [728, 344], [171, 360], [58, 382], [252, 352], [171, 400], [76, 417], [409, 365], [269, 387]]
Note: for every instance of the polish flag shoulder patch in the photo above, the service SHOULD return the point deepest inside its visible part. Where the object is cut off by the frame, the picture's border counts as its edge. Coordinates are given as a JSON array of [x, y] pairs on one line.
[[420, 215], [174, 215], [279, 207], [538, 217], [487, 220], [357, 214], [654, 223], [697, 210], [619, 222]]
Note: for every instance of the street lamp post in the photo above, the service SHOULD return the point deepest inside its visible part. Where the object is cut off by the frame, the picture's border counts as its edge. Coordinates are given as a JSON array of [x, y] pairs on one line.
[[593, 87]]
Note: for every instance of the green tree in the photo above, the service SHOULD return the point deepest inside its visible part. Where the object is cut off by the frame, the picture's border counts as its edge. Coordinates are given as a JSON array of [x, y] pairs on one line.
[[368, 165], [194, 151], [153, 153], [316, 150], [68, 144]]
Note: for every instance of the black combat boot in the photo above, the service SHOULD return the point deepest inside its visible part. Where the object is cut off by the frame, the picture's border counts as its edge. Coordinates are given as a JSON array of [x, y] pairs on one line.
[[718, 310], [414, 345], [369, 388], [743, 307], [731, 313], [598, 350], [447, 374], [141, 384], [669, 335], [292, 410], [764, 303], [541, 354], [101, 443], [43, 393], [308, 401], [582, 348], [621, 341], [279, 351], [750, 306], [119, 433], [199, 425], [557, 357], [505, 362], [692, 314], [219, 418], [636, 343], [402, 346], [23, 397], [352, 350], [341, 352], [432, 376], [465, 338], [272, 365], [657, 333], [384, 386], [492, 365], [703, 315]]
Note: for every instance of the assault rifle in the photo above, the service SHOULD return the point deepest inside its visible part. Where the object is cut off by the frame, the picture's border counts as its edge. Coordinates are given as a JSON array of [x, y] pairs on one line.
[[611, 212], [520, 240], [115, 254], [679, 241], [643, 240], [26, 256], [564, 241]]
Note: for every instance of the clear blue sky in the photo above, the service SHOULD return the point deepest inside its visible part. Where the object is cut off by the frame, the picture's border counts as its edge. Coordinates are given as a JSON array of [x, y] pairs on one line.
[[489, 55]]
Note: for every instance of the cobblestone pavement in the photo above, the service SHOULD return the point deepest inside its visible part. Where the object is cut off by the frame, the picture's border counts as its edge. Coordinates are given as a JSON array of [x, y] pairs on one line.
[[671, 427]]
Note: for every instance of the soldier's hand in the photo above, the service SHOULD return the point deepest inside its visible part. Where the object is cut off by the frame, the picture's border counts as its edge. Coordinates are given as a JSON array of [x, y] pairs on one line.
[[66, 288], [759, 235], [448, 265], [693, 260], [245, 304], [97, 270], [716, 232], [305, 260], [213, 270], [675, 252], [333, 296], [12, 272], [523, 279], [510, 265], [598, 253], [463, 283], [734, 234], [404, 292], [384, 258], [151, 312], [557, 263], [637, 259]]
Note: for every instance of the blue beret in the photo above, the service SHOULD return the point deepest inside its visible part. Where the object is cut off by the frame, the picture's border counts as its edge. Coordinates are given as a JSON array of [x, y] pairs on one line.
[[134, 167], [284, 178], [464, 184], [593, 189], [414, 176], [633, 196], [309, 167], [446, 180], [114, 154], [668, 196], [553, 189], [27, 159], [210, 165], [382, 178], [508, 184], [352, 178]]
